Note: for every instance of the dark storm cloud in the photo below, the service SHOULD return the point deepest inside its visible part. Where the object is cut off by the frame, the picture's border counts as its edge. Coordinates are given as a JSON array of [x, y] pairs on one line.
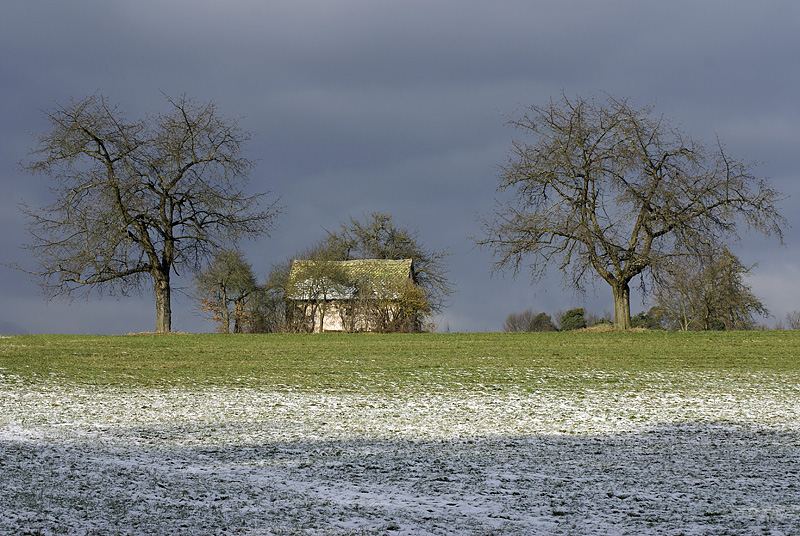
[[360, 106]]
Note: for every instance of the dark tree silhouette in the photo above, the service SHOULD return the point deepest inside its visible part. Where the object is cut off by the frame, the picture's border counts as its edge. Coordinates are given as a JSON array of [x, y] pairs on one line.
[[137, 200], [607, 190]]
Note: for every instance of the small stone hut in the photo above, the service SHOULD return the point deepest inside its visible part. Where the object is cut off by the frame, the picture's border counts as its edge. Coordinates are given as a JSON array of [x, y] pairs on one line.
[[354, 295]]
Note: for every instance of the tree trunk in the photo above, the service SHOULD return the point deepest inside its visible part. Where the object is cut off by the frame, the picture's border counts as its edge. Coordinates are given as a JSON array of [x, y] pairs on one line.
[[238, 315], [163, 305], [622, 306], [225, 321]]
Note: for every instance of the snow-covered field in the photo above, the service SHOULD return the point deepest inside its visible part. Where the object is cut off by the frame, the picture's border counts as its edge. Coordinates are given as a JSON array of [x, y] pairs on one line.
[[647, 454]]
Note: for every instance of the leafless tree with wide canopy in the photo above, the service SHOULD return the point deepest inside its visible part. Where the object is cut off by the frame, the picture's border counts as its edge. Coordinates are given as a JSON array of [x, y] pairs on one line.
[[605, 189], [135, 201]]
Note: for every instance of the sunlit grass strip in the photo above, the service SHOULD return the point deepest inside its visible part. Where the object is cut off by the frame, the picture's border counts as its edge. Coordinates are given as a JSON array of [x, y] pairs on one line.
[[395, 362]]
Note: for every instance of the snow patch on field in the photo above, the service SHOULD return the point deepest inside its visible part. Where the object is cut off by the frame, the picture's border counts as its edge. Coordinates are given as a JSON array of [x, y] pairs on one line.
[[679, 455]]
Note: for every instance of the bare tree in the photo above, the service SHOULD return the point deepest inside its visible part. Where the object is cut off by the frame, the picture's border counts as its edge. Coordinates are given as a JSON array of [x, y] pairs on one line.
[[137, 200], [519, 321], [399, 306], [793, 319], [269, 309], [708, 292], [606, 190], [527, 320], [378, 237], [224, 290]]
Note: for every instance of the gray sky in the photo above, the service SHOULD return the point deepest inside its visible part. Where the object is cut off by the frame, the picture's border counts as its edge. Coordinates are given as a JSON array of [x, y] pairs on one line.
[[397, 106]]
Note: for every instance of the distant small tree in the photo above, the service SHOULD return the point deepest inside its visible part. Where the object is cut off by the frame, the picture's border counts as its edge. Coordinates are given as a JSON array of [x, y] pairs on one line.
[[543, 322], [708, 292], [402, 309], [261, 314], [527, 320], [594, 319], [225, 290], [793, 320], [573, 319], [519, 321], [654, 319], [271, 310]]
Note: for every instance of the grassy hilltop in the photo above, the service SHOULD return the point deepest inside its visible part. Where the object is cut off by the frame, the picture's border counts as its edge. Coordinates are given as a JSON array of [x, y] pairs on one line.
[[388, 362]]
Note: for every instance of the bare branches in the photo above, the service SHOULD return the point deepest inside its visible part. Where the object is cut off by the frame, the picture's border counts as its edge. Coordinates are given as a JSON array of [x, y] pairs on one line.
[[606, 190], [378, 237], [225, 290], [707, 291], [139, 197]]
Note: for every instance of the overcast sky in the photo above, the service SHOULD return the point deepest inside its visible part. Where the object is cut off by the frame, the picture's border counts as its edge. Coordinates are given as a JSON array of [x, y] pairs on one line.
[[398, 107]]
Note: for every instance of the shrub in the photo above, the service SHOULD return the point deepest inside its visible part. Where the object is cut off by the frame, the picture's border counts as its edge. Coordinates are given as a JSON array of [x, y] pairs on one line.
[[528, 321], [543, 322], [655, 318], [573, 319]]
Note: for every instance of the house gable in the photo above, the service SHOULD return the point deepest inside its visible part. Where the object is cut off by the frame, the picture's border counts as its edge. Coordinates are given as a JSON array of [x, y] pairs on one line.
[[325, 293]]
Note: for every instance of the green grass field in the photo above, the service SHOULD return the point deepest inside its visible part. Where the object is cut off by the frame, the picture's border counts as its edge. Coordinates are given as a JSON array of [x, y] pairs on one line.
[[545, 433], [334, 362]]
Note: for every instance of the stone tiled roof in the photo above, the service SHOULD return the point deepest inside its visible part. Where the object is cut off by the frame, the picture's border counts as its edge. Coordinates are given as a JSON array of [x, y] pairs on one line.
[[308, 279]]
